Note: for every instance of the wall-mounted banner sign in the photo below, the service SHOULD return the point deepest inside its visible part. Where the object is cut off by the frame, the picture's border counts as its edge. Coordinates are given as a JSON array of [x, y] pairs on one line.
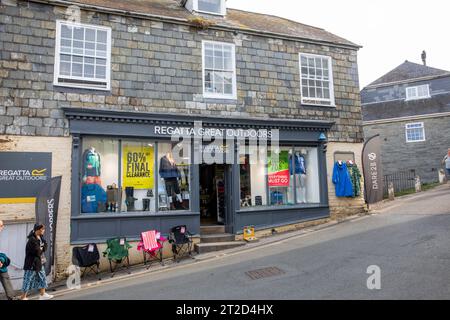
[[23, 175], [279, 172], [373, 173], [138, 167]]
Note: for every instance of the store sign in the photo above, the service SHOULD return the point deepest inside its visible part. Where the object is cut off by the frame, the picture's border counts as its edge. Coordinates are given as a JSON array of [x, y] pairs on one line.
[[23, 175], [213, 132], [279, 170], [138, 167], [373, 173]]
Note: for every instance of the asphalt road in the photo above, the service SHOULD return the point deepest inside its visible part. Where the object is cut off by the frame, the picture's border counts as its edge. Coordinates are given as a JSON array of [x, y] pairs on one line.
[[409, 242]]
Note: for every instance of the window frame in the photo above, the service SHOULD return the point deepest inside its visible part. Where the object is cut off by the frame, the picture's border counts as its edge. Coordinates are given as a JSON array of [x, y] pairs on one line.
[[331, 81], [92, 85], [422, 126], [223, 8], [417, 97], [210, 95]]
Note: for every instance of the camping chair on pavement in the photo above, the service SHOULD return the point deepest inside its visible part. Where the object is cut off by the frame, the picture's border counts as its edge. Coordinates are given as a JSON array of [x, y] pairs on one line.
[[117, 254], [152, 244], [88, 258], [181, 241]]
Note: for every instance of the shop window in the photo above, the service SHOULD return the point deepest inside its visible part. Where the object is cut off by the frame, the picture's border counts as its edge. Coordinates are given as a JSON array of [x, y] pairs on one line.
[[83, 55], [316, 80], [99, 172], [291, 177], [174, 178], [219, 72], [138, 176]]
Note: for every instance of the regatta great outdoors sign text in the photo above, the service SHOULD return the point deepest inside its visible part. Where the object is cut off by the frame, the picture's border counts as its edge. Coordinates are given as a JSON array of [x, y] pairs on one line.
[[23, 174], [213, 132]]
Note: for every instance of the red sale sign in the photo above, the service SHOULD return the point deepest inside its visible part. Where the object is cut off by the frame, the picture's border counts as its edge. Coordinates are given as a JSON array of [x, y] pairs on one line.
[[279, 179]]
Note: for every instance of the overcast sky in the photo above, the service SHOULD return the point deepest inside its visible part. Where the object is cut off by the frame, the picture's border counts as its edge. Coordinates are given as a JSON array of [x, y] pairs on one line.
[[390, 31]]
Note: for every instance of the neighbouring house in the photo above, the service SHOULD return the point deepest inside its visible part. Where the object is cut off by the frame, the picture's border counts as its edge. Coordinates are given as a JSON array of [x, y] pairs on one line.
[[101, 86], [409, 108]]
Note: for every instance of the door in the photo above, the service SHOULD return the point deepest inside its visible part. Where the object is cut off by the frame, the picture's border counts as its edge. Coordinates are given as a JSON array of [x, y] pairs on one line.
[[229, 212]]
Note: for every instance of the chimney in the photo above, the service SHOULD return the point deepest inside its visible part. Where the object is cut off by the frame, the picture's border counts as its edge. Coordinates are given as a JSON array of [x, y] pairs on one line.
[[424, 58]]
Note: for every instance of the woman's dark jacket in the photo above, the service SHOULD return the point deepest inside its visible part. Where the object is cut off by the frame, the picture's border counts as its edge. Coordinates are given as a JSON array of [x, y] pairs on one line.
[[33, 253]]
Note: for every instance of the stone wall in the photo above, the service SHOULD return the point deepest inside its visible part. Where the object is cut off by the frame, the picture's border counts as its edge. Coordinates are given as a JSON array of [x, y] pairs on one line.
[[157, 67], [424, 157], [61, 149], [341, 207]]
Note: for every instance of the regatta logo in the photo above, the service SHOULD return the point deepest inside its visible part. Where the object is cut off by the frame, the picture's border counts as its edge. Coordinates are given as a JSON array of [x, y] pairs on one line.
[[38, 173], [23, 175], [372, 156]]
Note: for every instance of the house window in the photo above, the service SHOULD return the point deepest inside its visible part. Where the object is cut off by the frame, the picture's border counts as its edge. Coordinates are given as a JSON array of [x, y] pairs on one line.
[[415, 132], [83, 56], [419, 92], [316, 80], [211, 6], [219, 72]]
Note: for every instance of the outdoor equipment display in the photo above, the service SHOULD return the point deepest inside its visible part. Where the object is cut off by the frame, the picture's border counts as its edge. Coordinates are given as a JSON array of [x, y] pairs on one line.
[[117, 253], [181, 240], [87, 257]]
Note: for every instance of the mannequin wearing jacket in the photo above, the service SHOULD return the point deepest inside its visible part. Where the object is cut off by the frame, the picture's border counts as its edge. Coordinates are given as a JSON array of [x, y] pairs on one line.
[[298, 172], [91, 163], [169, 171]]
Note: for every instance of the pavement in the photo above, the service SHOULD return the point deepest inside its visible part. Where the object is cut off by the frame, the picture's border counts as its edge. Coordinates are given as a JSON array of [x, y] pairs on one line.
[[406, 239]]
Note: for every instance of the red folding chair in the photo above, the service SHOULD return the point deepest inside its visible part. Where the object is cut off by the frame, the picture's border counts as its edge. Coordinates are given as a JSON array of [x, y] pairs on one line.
[[152, 243]]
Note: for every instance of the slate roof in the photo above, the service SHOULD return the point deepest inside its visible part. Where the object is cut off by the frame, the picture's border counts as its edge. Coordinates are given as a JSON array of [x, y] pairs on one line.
[[236, 19], [408, 71]]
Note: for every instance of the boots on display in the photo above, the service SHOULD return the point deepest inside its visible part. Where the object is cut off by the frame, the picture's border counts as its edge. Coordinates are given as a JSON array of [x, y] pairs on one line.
[[130, 199], [146, 204]]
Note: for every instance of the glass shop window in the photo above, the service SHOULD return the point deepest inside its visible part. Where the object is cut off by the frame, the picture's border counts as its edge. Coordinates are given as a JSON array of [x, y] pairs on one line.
[[138, 176], [173, 178], [99, 173], [289, 177]]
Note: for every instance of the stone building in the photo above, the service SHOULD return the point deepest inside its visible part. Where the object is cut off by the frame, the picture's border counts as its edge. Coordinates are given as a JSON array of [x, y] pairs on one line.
[[102, 85], [410, 108]]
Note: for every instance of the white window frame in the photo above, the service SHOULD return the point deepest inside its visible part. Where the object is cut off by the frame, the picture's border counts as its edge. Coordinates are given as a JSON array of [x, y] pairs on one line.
[[408, 127], [416, 89], [233, 96], [306, 101], [57, 76], [223, 8]]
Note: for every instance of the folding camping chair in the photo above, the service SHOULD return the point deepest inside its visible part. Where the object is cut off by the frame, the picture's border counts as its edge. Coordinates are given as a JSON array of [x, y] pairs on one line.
[[88, 258], [152, 244], [181, 241], [117, 254]]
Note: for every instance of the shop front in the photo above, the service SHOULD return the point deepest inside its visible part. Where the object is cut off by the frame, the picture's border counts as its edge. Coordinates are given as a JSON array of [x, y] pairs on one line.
[[133, 172]]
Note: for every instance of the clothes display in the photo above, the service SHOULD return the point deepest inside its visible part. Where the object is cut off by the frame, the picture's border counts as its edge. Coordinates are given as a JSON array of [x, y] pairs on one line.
[[298, 173], [169, 171], [91, 163], [355, 177], [342, 180], [276, 198], [92, 198]]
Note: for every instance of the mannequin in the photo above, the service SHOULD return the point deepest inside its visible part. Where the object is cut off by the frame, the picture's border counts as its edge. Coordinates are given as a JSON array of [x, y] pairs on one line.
[[170, 173], [92, 163], [298, 172]]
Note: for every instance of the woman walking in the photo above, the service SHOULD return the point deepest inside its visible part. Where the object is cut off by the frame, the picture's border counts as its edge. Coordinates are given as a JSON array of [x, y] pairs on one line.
[[34, 277]]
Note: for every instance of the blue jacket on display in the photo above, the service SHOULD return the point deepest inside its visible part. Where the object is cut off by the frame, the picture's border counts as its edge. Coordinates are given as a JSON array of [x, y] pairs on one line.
[[300, 165], [91, 195], [342, 181]]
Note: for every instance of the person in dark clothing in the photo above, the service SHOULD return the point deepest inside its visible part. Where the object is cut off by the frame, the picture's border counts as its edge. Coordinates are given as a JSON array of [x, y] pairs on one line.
[[4, 276], [34, 276]]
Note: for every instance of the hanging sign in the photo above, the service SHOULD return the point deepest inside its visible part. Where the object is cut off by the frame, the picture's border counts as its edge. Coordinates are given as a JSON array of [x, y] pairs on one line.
[[138, 165], [279, 171]]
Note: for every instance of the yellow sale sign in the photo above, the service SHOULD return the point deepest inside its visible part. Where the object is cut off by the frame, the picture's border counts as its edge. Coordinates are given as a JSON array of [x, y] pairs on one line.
[[138, 167]]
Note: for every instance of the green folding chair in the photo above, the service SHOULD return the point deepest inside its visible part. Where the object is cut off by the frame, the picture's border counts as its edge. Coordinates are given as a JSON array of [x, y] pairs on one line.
[[117, 254]]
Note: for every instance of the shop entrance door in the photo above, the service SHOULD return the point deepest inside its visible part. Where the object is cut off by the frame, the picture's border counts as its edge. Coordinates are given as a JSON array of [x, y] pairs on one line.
[[214, 194]]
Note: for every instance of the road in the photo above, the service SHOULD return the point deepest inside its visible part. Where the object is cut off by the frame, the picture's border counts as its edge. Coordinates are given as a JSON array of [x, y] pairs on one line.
[[409, 242]]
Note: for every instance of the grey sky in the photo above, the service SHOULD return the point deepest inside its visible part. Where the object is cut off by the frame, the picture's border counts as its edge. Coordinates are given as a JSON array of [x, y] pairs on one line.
[[390, 31]]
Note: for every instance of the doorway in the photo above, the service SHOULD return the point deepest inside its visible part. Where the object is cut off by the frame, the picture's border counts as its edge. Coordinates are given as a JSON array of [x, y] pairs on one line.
[[213, 194]]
